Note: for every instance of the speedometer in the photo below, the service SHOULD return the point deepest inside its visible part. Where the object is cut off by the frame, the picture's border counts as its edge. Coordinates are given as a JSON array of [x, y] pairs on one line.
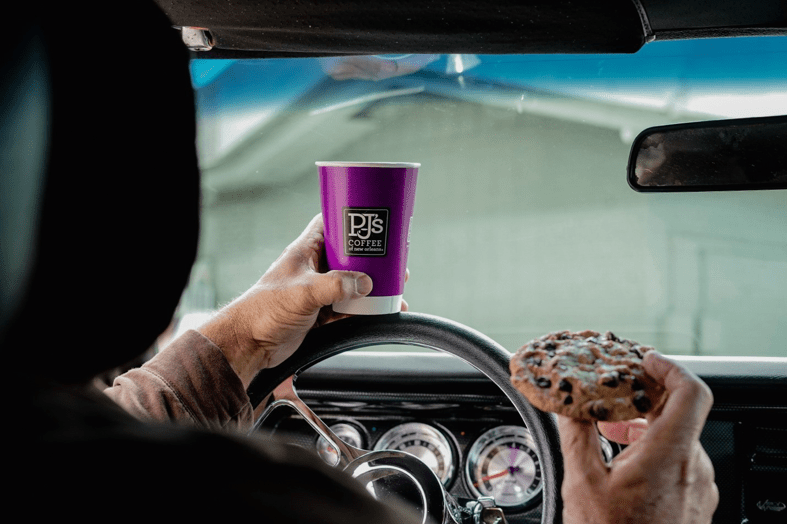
[[425, 442], [503, 464]]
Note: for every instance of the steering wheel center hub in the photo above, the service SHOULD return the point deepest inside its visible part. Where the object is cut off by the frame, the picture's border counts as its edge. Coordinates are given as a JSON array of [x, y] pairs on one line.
[[396, 475]]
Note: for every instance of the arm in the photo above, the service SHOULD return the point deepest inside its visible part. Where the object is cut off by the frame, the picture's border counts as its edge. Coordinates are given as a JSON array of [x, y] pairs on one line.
[[190, 382], [202, 377], [266, 324]]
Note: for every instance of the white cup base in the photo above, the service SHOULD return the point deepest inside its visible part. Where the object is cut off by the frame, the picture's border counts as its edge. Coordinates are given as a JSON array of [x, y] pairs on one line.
[[370, 305]]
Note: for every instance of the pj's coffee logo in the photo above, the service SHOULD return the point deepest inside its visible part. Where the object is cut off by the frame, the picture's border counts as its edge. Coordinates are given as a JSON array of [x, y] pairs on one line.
[[365, 231]]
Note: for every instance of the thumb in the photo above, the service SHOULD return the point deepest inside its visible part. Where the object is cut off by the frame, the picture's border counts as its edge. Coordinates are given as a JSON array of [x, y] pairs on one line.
[[581, 446], [337, 286]]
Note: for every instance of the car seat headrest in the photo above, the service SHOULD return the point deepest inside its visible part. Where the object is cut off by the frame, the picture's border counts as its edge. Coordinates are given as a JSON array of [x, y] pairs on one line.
[[24, 119], [119, 214]]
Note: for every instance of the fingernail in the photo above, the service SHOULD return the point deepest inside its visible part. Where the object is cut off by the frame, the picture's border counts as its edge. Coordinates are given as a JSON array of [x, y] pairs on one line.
[[363, 285]]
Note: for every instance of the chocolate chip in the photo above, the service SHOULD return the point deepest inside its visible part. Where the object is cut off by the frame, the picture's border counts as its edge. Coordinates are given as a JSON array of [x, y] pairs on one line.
[[568, 400], [533, 361], [636, 351], [564, 385], [543, 382], [551, 353], [636, 385], [550, 344], [609, 335], [599, 411], [610, 379], [641, 402]]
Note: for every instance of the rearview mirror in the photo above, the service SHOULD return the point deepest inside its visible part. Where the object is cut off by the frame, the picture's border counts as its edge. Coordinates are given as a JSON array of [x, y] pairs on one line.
[[720, 155]]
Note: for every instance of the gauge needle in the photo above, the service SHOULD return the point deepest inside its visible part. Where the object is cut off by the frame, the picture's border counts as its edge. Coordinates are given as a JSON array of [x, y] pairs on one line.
[[512, 457], [490, 477]]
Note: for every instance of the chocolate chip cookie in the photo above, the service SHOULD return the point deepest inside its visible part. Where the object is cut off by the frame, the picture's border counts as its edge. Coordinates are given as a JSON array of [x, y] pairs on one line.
[[586, 375]]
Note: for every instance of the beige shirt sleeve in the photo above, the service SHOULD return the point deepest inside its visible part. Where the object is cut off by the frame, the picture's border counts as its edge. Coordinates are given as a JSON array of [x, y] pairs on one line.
[[190, 382]]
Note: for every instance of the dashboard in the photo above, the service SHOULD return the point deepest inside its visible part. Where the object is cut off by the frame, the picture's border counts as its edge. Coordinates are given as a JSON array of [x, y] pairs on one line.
[[460, 424]]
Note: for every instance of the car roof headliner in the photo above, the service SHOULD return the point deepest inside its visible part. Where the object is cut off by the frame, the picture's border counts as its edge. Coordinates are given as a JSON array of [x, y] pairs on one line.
[[258, 28]]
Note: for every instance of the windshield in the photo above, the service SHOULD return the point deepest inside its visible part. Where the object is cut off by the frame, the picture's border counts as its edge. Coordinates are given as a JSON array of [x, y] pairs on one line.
[[523, 221]]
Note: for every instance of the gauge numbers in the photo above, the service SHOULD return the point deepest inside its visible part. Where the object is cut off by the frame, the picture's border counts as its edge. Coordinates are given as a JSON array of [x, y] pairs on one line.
[[425, 442], [503, 464]]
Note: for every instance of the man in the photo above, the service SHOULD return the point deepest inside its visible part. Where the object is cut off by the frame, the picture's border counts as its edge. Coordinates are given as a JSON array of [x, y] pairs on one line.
[[258, 330], [117, 132], [664, 475]]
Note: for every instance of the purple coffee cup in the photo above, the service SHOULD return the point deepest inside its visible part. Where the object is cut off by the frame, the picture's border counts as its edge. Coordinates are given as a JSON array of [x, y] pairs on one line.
[[367, 208]]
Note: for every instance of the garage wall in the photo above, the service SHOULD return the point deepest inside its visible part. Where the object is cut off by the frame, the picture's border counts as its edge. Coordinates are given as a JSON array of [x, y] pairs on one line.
[[524, 224]]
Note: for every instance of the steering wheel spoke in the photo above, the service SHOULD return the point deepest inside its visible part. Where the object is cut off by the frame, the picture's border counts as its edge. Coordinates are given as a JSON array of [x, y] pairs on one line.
[[285, 396]]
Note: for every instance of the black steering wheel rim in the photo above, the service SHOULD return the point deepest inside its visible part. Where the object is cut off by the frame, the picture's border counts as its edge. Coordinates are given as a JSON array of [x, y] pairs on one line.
[[418, 329]]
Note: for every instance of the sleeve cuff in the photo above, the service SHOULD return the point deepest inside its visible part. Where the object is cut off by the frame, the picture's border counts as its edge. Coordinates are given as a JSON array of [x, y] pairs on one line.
[[190, 379]]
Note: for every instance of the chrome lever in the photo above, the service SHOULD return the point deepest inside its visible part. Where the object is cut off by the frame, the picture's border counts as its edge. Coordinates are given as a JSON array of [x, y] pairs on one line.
[[285, 395]]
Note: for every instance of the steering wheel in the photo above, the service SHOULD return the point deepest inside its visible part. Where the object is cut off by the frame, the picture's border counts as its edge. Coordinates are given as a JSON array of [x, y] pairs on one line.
[[415, 329]]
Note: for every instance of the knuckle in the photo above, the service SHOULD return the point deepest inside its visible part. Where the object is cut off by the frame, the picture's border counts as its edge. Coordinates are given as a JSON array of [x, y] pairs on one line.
[[703, 393], [337, 283], [314, 242], [708, 394], [706, 466], [714, 494], [698, 390], [699, 387]]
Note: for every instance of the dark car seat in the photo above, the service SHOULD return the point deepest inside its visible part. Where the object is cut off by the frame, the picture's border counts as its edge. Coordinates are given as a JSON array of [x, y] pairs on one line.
[[100, 210], [119, 212]]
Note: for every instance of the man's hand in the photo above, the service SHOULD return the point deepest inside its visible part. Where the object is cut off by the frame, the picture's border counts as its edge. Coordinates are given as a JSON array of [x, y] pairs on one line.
[[664, 476], [265, 325]]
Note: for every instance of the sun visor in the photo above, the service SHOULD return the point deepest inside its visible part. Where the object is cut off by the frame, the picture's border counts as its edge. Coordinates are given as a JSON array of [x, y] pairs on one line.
[[248, 28]]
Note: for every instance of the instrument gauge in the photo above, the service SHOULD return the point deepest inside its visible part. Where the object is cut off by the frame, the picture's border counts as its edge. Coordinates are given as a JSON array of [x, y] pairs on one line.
[[425, 442], [348, 433], [503, 463]]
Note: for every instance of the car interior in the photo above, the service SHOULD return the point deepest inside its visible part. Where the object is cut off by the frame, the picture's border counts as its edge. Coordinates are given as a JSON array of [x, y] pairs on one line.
[[615, 165]]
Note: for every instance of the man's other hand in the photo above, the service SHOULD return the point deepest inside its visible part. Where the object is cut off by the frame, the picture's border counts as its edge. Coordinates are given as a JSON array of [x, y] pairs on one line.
[[663, 476]]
